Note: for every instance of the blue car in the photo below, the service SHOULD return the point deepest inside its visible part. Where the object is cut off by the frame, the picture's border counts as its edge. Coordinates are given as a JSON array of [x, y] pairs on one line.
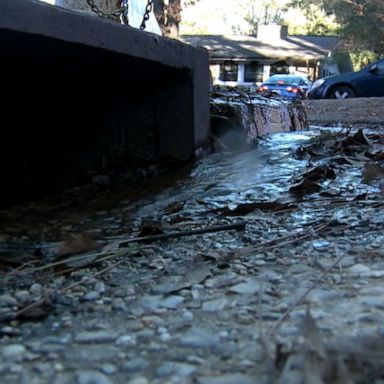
[[369, 82], [293, 87]]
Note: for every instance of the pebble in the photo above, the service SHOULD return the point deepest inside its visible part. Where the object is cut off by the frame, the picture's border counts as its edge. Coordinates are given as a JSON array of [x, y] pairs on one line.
[[7, 300], [119, 304], [199, 338], [108, 369], [135, 365], [250, 287], [359, 268], [227, 379], [126, 341], [374, 302], [13, 352], [139, 380], [215, 305], [321, 245], [175, 368], [95, 337], [91, 377], [35, 289], [22, 297], [100, 287], [91, 296]]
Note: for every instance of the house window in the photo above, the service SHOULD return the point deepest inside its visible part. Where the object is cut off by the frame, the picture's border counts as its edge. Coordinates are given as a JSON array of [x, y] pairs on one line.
[[280, 67], [253, 72], [228, 71]]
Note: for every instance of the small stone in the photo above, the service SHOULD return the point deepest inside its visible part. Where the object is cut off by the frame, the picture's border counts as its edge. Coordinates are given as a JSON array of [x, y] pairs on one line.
[[165, 337], [91, 296], [35, 289], [250, 287], [187, 316], [139, 380], [126, 341], [9, 331], [321, 245], [58, 367], [373, 274], [22, 296], [175, 368], [119, 305], [42, 368], [95, 337], [108, 369], [7, 300], [359, 268], [227, 379], [100, 287], [13, 352], [92, 377], [214, 305], [135, 365], [374, 302], [199, 338], [172, 302]]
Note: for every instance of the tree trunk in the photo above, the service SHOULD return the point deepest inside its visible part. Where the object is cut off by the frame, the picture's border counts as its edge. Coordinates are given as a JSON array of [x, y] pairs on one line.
[[168, 16]]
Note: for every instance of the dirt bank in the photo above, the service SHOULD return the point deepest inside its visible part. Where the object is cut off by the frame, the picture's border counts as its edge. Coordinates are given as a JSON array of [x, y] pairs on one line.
[[349, 112]]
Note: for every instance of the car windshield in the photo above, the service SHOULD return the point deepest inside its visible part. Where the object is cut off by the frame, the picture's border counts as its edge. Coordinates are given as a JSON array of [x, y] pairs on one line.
[[284, 80]]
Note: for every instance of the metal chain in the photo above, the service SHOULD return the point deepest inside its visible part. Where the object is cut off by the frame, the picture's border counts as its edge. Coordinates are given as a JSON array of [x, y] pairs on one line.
[[148, 10], [121, 13]]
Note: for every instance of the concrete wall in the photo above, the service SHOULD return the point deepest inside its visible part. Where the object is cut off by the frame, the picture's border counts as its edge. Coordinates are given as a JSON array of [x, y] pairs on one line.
[[83, 95]]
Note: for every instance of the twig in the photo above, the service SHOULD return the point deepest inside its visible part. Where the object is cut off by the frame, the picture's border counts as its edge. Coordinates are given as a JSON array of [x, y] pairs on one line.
[[63, 290], [238, 226], [292, 238], [303, 296]]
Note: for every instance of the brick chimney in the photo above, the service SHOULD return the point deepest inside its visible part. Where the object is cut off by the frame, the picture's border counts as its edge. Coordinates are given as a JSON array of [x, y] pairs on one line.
[[272, 32]]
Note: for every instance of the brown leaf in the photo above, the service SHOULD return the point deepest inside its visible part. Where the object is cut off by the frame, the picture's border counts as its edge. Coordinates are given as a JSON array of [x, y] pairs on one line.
[[361, 138], [150, 228], [78, 244], [321, 172], [306, 186], [174, 207], [372, 171]]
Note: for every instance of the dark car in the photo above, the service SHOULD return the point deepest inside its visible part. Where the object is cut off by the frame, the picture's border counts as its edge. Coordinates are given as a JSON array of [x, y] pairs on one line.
[[293, 87], [369, 82]]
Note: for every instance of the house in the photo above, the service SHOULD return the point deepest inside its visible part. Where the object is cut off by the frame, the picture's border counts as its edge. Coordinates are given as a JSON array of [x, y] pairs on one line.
[[246, 60]]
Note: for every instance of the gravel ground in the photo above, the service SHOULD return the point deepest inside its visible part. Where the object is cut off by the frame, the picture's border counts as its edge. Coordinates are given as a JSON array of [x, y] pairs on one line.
[[366, 112], [294, 296]]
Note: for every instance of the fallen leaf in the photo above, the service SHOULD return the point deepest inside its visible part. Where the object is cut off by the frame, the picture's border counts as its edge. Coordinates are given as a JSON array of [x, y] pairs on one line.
[[372, 171], [306, 186], [174, 207], [78, 244]]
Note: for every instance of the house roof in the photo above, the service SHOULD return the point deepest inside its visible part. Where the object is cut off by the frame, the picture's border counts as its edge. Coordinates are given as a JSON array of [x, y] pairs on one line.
[[290, 47]]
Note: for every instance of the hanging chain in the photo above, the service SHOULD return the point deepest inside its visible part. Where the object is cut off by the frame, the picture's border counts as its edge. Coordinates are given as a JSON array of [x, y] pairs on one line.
[[121, 13], [148, 10]]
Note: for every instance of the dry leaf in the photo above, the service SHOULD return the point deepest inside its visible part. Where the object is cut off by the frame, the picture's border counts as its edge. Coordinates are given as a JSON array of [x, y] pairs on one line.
[[372, 171], [78, 244]]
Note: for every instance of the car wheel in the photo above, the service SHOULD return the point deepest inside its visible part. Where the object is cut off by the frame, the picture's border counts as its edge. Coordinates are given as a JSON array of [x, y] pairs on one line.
[[342, 92]]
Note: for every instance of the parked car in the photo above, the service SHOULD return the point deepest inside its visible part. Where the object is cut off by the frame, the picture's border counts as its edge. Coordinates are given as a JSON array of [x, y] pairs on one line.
[[368, 82], [294, 87]]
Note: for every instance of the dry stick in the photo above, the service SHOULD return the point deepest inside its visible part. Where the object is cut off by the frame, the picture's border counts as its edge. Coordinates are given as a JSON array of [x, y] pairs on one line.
[[173, 235], [302, 297], [291, 238], [43, 301]]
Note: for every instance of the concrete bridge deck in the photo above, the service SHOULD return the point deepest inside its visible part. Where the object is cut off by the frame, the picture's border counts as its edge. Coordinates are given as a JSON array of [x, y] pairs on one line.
[[82, 93]]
